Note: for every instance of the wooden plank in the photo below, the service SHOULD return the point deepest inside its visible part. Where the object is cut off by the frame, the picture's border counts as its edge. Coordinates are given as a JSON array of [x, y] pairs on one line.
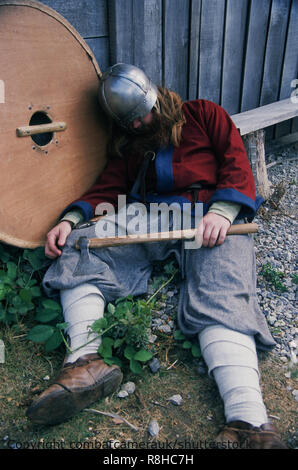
[[255, 52], [234, 47], [147, 47], [194, 49], [282, 141], [88, 17], [121, 31], [265, 116], [274, 54], [290, 66], [255, 147], [100, 49], [211, 44], [274, 51], [176, 30], [294, 127]]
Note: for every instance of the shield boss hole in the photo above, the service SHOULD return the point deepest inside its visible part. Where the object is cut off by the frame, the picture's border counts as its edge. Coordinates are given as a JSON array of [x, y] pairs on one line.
[[37, 118]]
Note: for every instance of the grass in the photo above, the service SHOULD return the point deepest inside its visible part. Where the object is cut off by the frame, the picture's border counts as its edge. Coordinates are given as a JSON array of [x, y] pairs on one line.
[[194, 423]]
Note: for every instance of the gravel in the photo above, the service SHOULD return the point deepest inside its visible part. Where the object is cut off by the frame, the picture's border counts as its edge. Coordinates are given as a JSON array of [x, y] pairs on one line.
[[275, 248]]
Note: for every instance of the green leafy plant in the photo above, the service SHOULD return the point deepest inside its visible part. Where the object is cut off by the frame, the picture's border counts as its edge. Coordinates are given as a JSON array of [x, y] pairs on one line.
[[124, 333], [187, 344], [124, 328], [20, 294], [274, 277]]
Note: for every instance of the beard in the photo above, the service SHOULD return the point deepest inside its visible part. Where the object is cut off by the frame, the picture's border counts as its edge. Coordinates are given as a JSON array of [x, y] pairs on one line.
[[151, 136]]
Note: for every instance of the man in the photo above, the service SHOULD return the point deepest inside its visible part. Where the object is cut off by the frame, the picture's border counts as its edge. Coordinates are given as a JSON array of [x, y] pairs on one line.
[[161, 149]]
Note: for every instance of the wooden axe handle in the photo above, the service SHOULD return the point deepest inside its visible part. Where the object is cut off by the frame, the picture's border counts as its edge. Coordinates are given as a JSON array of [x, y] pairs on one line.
[[238, 229]]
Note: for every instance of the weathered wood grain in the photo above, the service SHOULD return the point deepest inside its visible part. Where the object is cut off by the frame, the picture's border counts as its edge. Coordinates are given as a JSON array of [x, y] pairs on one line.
[[147, 34], [265, 116], [274, 54], [255, 53], [176, 31], [100, 49], [211, 45], [290, 66], [238, 53], [233, 54], [121, 31], [89, 17], [194, 48]]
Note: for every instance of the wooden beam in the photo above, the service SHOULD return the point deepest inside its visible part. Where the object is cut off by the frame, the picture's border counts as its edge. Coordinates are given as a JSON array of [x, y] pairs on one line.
[[265, 116], [255, 148]]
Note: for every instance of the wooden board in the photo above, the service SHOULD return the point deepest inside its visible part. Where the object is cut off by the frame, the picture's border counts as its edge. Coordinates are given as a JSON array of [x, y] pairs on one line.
[[233, 56], [136, 35], [290, 66], [265, 116], [194, 49], [255, 53], [89, 17], [211, 47], [46, 68], [176, 33], [273, 64]]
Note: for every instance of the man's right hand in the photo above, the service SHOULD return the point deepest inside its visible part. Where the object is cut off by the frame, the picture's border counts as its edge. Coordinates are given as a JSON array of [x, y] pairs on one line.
[[56, 238]]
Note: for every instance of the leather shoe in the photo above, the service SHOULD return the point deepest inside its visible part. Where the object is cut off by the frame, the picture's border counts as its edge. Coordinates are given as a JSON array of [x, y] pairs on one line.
[[241, 435], [78, 385]]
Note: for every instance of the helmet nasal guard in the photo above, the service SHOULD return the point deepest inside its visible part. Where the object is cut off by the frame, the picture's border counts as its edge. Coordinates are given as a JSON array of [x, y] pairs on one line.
[[126, 93]]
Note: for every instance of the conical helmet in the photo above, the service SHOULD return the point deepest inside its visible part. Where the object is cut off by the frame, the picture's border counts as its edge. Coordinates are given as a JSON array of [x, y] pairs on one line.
[[126, 93]]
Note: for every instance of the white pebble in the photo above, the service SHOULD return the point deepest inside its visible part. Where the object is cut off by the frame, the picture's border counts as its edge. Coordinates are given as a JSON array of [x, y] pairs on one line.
[[129, 387], [176, 400], [153, 428], [122, 394]]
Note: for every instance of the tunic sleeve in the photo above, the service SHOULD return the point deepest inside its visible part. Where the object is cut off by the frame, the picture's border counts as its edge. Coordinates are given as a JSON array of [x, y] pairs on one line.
[[235, 181]]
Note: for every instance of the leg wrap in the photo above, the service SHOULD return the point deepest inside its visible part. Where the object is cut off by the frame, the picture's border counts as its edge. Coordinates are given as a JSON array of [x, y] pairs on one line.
[[82, 305], [232, 360]]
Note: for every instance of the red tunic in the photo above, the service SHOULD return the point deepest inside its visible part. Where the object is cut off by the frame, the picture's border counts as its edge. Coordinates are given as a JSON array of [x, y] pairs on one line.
[[211, 153]]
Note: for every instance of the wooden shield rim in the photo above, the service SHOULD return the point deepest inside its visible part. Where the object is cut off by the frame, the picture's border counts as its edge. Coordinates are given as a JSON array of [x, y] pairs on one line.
[[4, 237]]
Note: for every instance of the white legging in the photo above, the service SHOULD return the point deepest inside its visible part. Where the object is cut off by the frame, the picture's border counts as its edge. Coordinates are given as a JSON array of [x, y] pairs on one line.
[[230, 356], [81, 306], [232, 360]]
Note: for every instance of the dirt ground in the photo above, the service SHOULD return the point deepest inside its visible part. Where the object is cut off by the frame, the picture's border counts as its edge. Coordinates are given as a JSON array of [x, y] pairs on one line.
[[27, 370]]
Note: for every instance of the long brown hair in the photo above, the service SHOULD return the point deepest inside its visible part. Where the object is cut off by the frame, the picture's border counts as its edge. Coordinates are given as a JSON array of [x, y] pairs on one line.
[[166, 127]]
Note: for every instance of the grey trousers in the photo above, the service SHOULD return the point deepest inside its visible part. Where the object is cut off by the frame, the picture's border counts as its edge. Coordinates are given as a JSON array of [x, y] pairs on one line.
[[218, 284]]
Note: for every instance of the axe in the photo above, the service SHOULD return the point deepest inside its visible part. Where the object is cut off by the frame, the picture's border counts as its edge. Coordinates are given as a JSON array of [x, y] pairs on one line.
[[238, 229]]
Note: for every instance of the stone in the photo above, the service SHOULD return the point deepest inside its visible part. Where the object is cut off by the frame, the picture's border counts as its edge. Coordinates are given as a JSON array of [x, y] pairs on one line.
[[154, 365], [122, 394], [176, 400], [153, 428], [128, 387]]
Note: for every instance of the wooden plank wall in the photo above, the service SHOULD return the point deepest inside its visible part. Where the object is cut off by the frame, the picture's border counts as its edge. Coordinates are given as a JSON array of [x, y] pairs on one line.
[[90, 19], [240, 54]]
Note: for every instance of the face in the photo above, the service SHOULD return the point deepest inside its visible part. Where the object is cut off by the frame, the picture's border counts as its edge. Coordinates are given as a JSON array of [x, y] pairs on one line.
[[137, 123], [149, 133]]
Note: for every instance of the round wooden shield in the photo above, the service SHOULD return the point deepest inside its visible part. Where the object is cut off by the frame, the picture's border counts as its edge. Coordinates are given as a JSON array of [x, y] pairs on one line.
[[52, 145]]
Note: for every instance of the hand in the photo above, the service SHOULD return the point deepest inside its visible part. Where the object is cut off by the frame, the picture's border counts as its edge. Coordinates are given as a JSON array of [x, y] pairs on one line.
[[57, 236], [212, 230]]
